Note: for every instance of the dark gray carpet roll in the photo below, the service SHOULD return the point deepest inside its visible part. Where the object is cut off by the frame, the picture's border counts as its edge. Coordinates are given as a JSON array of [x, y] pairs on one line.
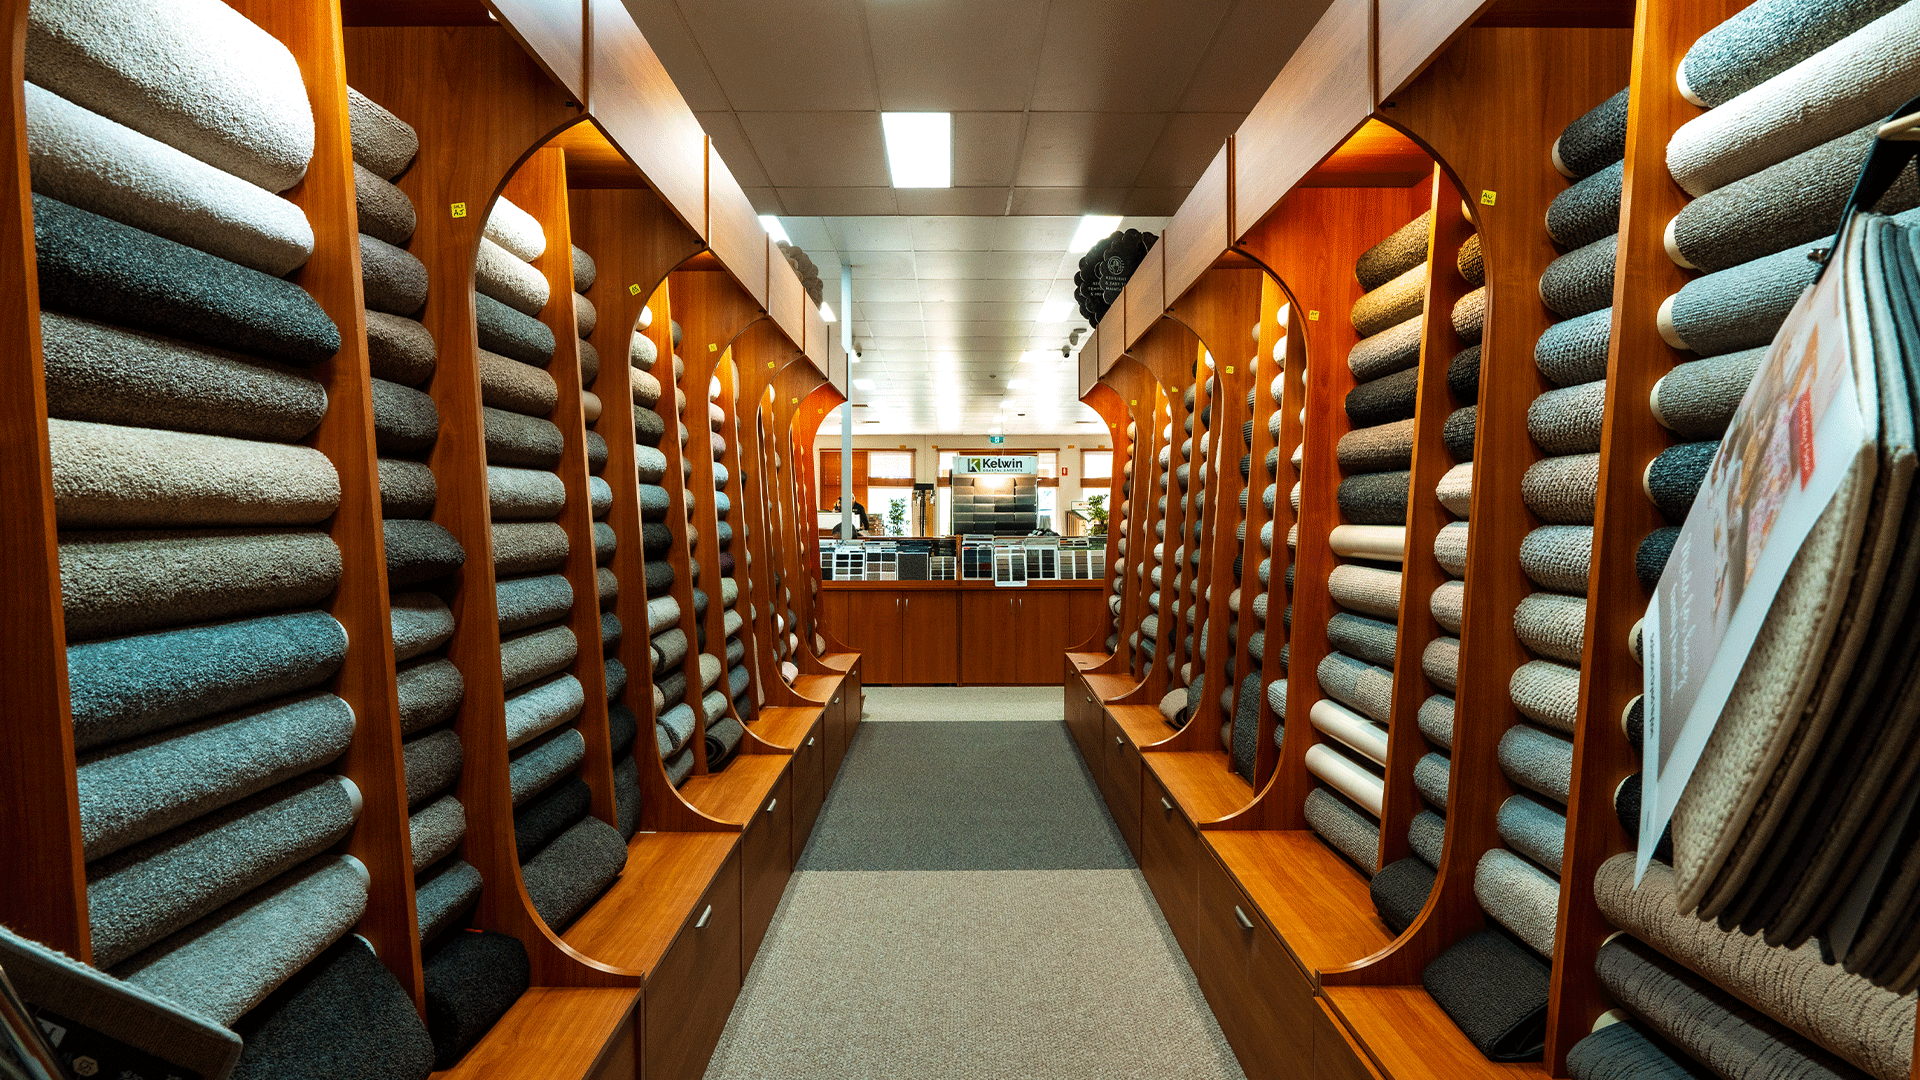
[[1400, 252], [1534, 829], [141, 788], [1369, 640], [1589, 210], [1348, 829], [1431, 777], [382, 142], [622, 729], [405, 421], [1383, 400], [1674, 478], [541, 821], [606, 586], [1391, 303], [432, 764], [1459, 432], [1621, 1051], [225, 964], [1552, 624], [1575, 351], [435, 830], [1581, 281], [660, 577], [568, 875], [655, 538], [1469, 316], [520, 440], [609, 630], [407, 489], [385, 212], [1426, 835], [1399, 891], [1375, 498], [510, 334], [626, 796], [1463, 375], [1697, 400], [1558, 557], [1626, 807], [723, 735], [1741, 307], [536, 654], [346, 1019], [616, 677], [1650, 559], [393, 279], [1376, 449], [1470, 263], [1594, 141], [737, 681], [539, 766], [1244, 744], [597, 455], [399, 349], [1547, 693], [430, 693], [524, 494], [418, 552], [444, 894], [1567, 421], [528, 547], [605, 542], [542, 707], [143, 893], [132, 686], [1766, 39], [471, 982], [1562, 490], [585, 271], [1537, 761], [97, 268], [1496, 991], [112, 375], [508, 384], [1634, 722], [107, 476]]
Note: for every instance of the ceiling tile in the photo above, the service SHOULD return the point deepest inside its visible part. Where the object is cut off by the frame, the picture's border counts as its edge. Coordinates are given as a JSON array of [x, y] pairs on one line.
[[660, 23], [1161, 202], [819, 149], [951, 290], [828, 201], [810, 234], [1188, 145], [866, 309], [776, 56], [986, 147], [891, 329], [724, 129], [1050, 234], [1089, 149], [872, 233], [765, 200], [1142, 63], [1069, 200], [884, 291], [951, 201], [1021, 313], [986, 264], [1232, 77], [954, 55]]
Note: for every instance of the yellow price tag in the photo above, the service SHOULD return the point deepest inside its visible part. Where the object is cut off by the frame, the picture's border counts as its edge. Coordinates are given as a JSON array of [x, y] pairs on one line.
[[712, 348], [1313, 316], [1487, 198], [633, 290], [459, 209], [1229, 369], [769, 363], [1135, 401]]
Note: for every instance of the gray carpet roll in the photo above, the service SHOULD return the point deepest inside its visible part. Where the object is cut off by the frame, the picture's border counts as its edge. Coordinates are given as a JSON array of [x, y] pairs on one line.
[[597, 453], [97, 268], [393, 279], [616, 677], [1366, 590], [1469, 262], [676, 725], [1431, 775], [605, 542], [432, 764], [1383, 400], [679, 766], [1363, 686], [430, 693], [144, 893], [418, 622], [143, 787], [1459, 432], [399, 349], [500, 274], [572, 872], [670, 647], [524, 494], [1450, 548], [542, 707], [1547, 693], [528, 547], [444, 894], [711, 668], [599, 496], [1375, 498], [1575, 351], [724, 733], [1463, 375], [1741, 307], [1594, 141], [1650, 559], [537, 766], [1791, 203], [1455, 489], [609, 631], [1400, 252], [1349, 830], [1394, 302], [1448, 605], [585, 316], [660, 578], [541, 821], [1674, 478], [385, 212], [1552, 624], [737, 680], [203, 79], [1581, 281], [589, 362], [1377, 449], [1562, 490], [1518, 894], [646, 390], [1859, 79], [1558, 557], [419, 551], [1496, 991], [1534, 829], [657, 537], [1441, 662], [107, 476], [345, 1018], [1589, 210], [382, 142], [520, 440], [225, 964], [536, 654], [626, 796], [1469, 316], [585, 270], [606, 586], [407, 489], [405, 421], [1400, 891], [87, 160], [117, 376], [1567, 421], [1765, 39], [1537, 761], [642, 352], [1622, 1051], [133, 686], [1435, 720], [1425, 835], [508, 384], [435, 830], [1697, 401], [510, 334], [1369, 640]]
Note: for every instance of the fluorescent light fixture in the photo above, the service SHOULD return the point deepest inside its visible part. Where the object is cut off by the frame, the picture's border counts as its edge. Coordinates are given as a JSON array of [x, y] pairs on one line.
[[826, 313], [863, 384], [919, 148], [775, 229], [1093, 228], [1059, 310], [1015, 384]]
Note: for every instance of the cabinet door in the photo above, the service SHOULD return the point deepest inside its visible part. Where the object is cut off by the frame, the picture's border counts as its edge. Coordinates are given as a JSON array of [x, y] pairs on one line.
[[930, 636], [1169, 859], [990, 636], [766, 861], [834, 605], [690, 994], [809, 786], [1262, 999], [873, 630], [1044, 636]]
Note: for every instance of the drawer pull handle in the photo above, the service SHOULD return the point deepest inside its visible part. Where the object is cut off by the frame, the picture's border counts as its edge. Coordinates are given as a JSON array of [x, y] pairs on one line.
[[1167, 806], [771, 803], [836, 701], [1245, 923], [708, 914], [1117, 742], [809, 740]]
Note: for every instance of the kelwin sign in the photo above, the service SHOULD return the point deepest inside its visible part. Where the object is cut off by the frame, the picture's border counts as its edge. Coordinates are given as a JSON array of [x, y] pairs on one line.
[[1014, 464]]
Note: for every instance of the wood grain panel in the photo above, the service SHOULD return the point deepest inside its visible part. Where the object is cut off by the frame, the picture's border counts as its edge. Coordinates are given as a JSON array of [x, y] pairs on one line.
[[1321, 96], [554, 33], [635, 102], [1145, 298], [733, 230], [786, 301], [1202, 230], [586, 1032], [1114, 342]]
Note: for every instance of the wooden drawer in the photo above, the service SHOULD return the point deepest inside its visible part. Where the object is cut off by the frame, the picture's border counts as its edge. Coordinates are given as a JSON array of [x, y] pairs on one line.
[[766, 861], [1335, 1054], [1084, 717], [1264, 1002], [836, 729], [809, 773], [1123, 769], [691, 992], [1170, 855]]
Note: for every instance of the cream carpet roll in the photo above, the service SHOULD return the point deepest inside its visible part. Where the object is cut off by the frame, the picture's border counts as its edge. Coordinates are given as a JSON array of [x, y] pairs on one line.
[[519, 232], [1382, 543], [418, 622], [1346, 776], [1435, 719], [1458, 434], [1697, 401], [512, 281], [1547, 693], [435, 830], [1558, 557], [194, 74], [662, 612], [126, 582], [1349, 831], [524, 494], [1396, 348], [1587, 211], [121, 477], [383, 143], [1563, 490], [1431, 776], [527, 602], [1469, 316], [536, 767], [1552, 624], [1455, 490], [536, 654], [385, 212], [392, 279], [1450, 548], [399, 349], [1856, 80], [405, 421], [1765, 39], [1366, 590], [1594, 141], [1368, 640], [1351, 728], [407, 489], [1441, 662], [1575, 351], [1400, 252], [1523, 898], [1533, 829], [642, 352], [646, 390], [1538, 761], [1392, 303], [86, 160], [1360, 685], [1567, 421], [1377, 449], [528, 547], [1581, 281], [1448, 605]]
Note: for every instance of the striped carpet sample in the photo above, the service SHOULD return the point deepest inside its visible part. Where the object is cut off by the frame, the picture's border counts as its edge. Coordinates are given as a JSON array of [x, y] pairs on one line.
[[1622, 1051]]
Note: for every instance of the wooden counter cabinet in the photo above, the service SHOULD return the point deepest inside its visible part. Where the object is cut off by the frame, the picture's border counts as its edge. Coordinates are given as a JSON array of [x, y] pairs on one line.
[[690, 995], [967, 633]]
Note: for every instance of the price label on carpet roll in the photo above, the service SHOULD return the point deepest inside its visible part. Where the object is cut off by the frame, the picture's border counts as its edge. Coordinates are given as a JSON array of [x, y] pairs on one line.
[[459, 209]]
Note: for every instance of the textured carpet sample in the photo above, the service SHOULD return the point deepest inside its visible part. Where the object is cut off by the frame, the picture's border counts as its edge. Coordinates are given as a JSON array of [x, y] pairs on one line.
[[520, 440], [1392, 350], [511, 334], [1450, 548], [432, 764], [519, 232], [524, 494], [1496, 991], [349, 1019], [1538, 761], [1469, 316], [1400, 252], [1459, 432], [1552, 624], [536, 654], [1587, 211], [1377, 449], [1696, 401], [1765, 39], [509, 384], [1448, 605], [1393, 302], [406, 422], [1621, 1051], [542, 707], [1533, 829], [1574, 351], [529, 547], [1563, 490], [1383, 400], [471, 982], [1455, 489], [393, 279], [1650, 559], [399, 349], [1350, 831], [1581, 281], [1399, 891], [1546, 692], [126, 582], [1432, 775], [384, 210], [1523, 898], [383, 144], [407, 489], [1594, 141], [107, 476], [1741, 307], [1366, 590], [537, 766], [418, 552], [418, 623], [499, 274], [1375, 498], [435, 830], [573, 871], [1558, 557], [1674, 477], [1567, 421], [442, 895]]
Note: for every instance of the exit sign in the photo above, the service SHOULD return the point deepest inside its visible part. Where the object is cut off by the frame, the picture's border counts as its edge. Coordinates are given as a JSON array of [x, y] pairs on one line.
[[996, 440]]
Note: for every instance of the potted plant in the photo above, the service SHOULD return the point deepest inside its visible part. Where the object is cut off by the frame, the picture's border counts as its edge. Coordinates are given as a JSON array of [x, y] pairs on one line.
[[1097, 513], [897, 517]]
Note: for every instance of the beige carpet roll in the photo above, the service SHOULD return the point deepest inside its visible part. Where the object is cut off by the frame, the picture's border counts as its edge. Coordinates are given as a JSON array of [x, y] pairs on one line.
[[1553, 625], [1455, 490], [585, 316], [1567, 421], [1558, 557], [1346, 776], [383, 143], [384, 210], [524, 494], [516, 387], [528, 548], [1449, 605], [1524, 898], [1547, 693], [106, 476], [1450, 548], [1563, 490], [516, 230], [114, 583], [1441, 662], [1386, 543], [1366, 590], [1392, 303], [512, 281]]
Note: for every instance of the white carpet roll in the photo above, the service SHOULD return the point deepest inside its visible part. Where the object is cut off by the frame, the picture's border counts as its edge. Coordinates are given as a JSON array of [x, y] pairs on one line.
[[1387, 543], [89, 161], [194, 74], [1455, 489], [107, 476], [1351, 728], [516, 230], [510, 280], [1345, 776]]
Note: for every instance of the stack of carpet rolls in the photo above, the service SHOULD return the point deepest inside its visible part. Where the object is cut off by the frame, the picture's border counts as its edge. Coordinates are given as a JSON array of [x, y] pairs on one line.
[[193, 566], [668, 645], [1117, 525], [1146, 637], [1241, 736], [1182, 702], [567, 857], [727, 698], [1277, 689]]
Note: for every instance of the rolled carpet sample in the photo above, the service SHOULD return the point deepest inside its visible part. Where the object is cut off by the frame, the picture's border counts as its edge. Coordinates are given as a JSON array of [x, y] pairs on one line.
[[508, 384], [1351, 728], [1574, 351], [660, 578], [1469, 316], [1523, 898], [1394, 302], [1448, 605], [1870, 1027], [508, 333], [1383, 543], [1650, 559], [131, 686], [1547, 693], [512, 281], [642, 352], [1562, 490], [225, 964], [1581, 281], [1537, 761], [585, 316], [589, 363], [528, 547], [585, 270], [536, 654], [1349, 831], [1345, 775], [541, 821], [1435, 720], [1741, 307], [626, 796], [1697, 401], [606, 586], [609, 631], [1366, 590], [724, 735], [1375, 498], [1587, 211], [1377, 449], [1384, 400], [568, 875], [432, 764], [1496, 991], [1400, 891], [419, 551], [1459, 432], [144, 893], [1594, 141], [542, 707], [1567, 421], [430, 692], [442, 895], [382, 143], [1856, 80], [1432, 775], [670, 648], [407, 489], [646, 391], [524, 494], [471, 982], [399, 349], [1388, 352], [662, 612], [1765, 39], [1463, 374], [1622, 1051], [113, 375], [1455, 489], [1368, 640], [538, 766], [348, 1019], [519, 232], [1426, 835], [605, 542], [1674, 477], [520, 440], [392, 279], [1400, 252], [531, 601], [599, 496], [385, 212], [1450, 548], [107, 476], [1441, 662], [616, 677], [1533, 829], [597, 453], [1552, 624], [676, 725], [435, 830], [405, 421], [1558, 557]]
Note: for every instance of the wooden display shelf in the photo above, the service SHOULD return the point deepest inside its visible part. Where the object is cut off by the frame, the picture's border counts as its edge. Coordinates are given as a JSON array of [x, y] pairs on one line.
[[1408, 1036], [1201, 782], [735, 793], [1315, 900], [1144, 726], [559, 1031], [786, 726], [634, 924]]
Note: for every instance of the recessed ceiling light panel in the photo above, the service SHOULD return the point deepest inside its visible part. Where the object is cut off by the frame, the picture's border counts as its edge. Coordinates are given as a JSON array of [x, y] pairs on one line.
[[1093, 228], [920, 149]]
